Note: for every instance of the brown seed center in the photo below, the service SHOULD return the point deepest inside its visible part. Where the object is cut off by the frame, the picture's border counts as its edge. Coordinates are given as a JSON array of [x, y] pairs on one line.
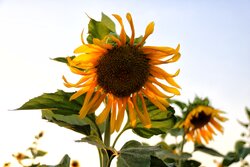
[[123, 71], [201, 120]]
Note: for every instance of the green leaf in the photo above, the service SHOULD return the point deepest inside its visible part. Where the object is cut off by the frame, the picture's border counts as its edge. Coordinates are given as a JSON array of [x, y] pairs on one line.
[[156, 162], [57, 102], [94, 140], [230, 158], [190, 163], [162, 121], [248, 112], [168, 154], [134, 154], [62, 59], [207, 150], [86, 126], [40, 153], [239, 145], [108, 22], [176, 131], [65, 162], [180, 104], [100, 29], [244, 152], [243, 124]]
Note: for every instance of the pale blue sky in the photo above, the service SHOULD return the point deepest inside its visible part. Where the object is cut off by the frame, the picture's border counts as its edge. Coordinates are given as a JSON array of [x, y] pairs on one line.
[[215, 46]]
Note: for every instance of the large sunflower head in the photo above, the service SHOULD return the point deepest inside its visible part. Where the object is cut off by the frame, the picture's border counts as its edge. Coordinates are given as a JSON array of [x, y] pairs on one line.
[[201, 120], [121, 71]]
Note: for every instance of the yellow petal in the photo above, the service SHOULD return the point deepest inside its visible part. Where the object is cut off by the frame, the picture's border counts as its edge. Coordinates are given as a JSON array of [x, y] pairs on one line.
[[153, 89], [102, 44], [122, 103], [79, 92], [158, 49], [82, 37], [217, 125], [113, 117], [132, 116], [154, 100], [116, 40], [130, 20], [97, 103], [104, 114], [149, 30], [123, 33], [165, 87]]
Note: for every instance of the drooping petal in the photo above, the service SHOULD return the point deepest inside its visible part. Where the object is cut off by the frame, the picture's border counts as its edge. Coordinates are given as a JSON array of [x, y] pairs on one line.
[[122, 103], [113, 117], [216, 125], [132, 116], [154, 100], [104, 114], [145, 112]]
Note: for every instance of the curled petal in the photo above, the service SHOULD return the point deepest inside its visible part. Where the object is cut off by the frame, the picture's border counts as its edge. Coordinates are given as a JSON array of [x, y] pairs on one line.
[[123, 33], [130, 20], [149, 30]]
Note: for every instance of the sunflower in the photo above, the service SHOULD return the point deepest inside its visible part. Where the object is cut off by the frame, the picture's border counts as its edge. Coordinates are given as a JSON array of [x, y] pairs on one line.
[[200, 123], [122, 72]]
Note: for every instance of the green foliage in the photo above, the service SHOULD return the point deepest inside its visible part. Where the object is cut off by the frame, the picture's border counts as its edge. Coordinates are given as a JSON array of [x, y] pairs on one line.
[[62, 59], [207, 150], [57, 102], [72, 122], [134, 154], [65, 162], [99, 29], [162, 121]]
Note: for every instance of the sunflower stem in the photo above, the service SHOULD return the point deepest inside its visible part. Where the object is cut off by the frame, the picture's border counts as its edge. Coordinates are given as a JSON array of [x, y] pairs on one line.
[[106, 159], [107, 132], [181, 149], [119, 135]]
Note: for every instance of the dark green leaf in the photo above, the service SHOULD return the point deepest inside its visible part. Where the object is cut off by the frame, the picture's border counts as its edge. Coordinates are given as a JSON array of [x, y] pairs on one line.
[[168, 154], [207, 150], [244, 152], [94, 140], [40, 153], [243, 124], [134, 154], [58, 102], [156, 162], [72, 122], [65, 162], [239, 145], [190, 163], [230, 158], [176, 131], [62, 59], [248, 112], [180, 104]]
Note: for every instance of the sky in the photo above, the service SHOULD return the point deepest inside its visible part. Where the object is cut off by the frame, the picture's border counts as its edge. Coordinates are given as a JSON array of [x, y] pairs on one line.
[[214, 37]]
